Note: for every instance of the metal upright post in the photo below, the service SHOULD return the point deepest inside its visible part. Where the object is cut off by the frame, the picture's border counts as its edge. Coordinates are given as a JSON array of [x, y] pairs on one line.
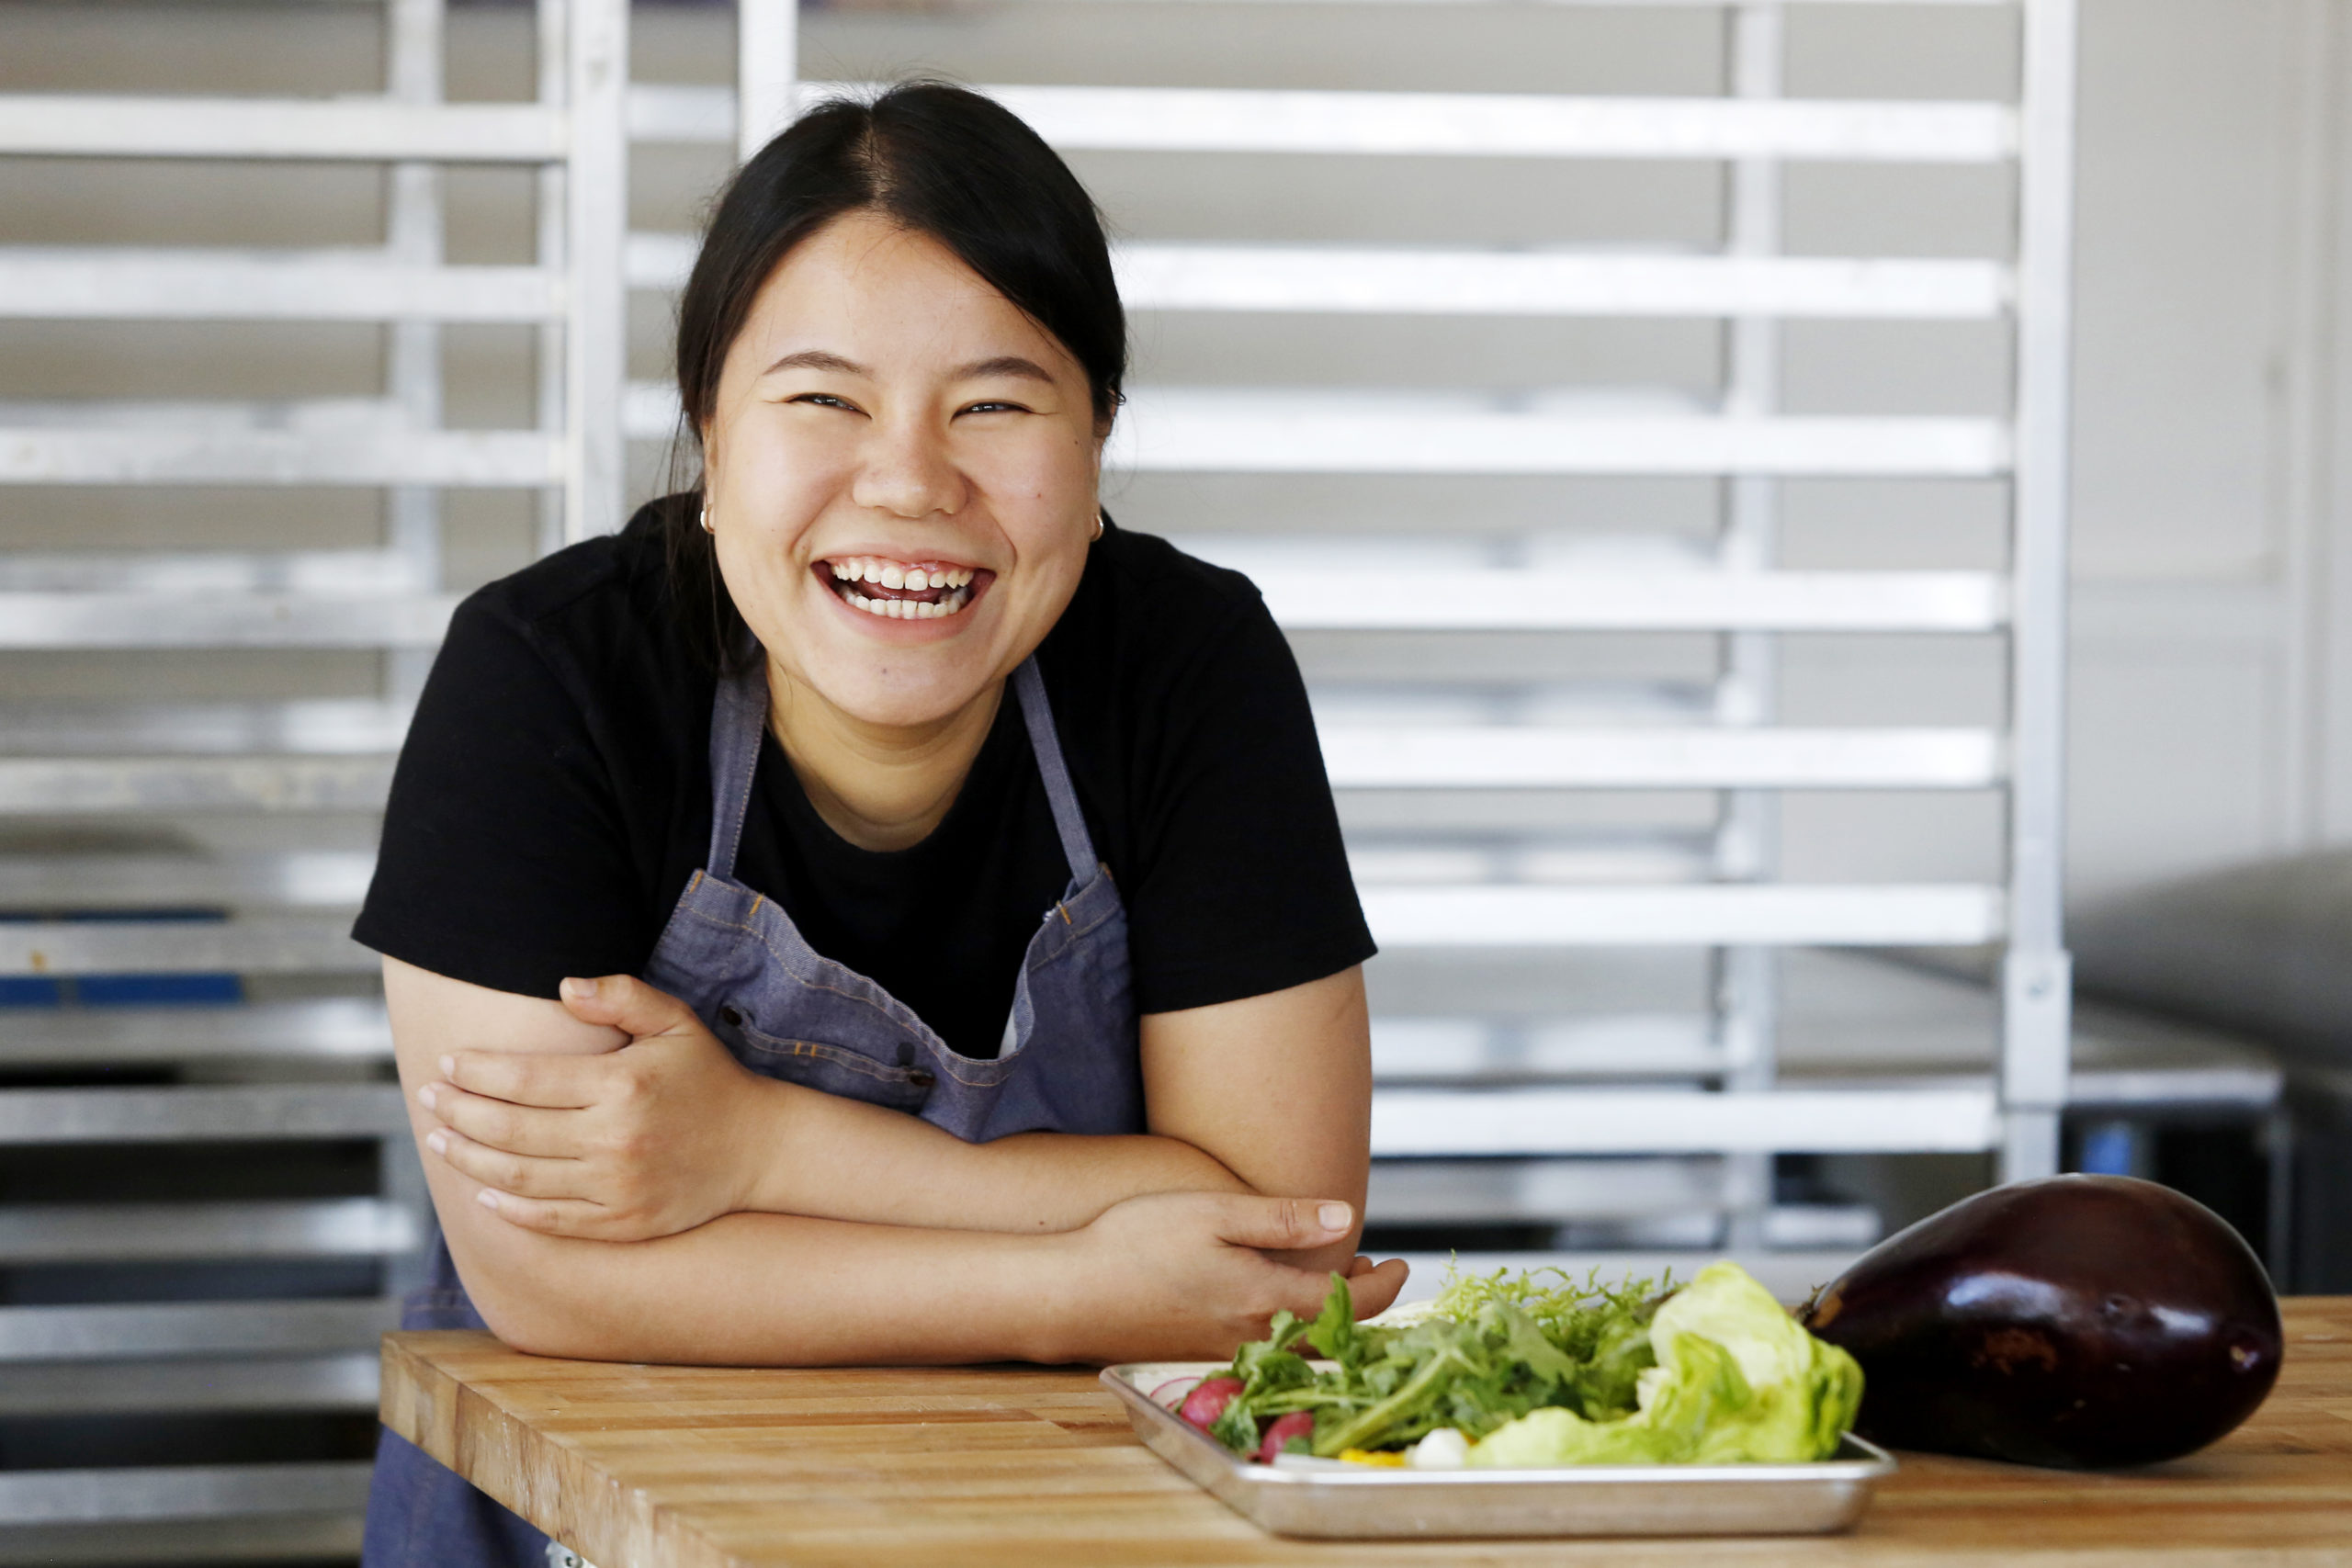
[[555, 77], [413, 237], [1749, 980], [767, 70], [596, 179], [2036, 974]]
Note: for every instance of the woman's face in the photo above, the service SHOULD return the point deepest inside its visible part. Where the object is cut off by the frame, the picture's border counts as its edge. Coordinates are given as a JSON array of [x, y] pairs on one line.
[[901, 472]]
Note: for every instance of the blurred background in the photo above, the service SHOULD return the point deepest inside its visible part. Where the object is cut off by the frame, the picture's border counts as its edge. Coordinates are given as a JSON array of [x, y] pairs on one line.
[[1651, 419]]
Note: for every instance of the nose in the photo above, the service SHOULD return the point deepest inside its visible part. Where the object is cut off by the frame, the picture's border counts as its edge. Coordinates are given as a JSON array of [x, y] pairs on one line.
[[905, 470]]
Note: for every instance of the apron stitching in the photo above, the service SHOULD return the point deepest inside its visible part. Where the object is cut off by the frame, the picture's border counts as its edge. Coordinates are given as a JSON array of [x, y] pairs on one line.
[[816, 1050], [987, 1081]]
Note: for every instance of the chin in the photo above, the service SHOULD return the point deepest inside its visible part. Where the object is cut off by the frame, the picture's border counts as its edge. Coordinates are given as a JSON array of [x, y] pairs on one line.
[[899, 698]]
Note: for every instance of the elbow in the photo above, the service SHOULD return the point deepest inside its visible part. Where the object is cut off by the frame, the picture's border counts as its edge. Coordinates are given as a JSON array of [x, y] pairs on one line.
[[541, 1311], [539, 1323]]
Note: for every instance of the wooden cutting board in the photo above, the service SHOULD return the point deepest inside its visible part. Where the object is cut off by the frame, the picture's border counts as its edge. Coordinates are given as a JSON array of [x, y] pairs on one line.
[[1029, 1467]]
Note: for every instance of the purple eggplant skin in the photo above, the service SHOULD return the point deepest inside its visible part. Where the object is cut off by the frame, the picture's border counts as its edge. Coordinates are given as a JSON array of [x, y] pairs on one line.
[[2081, 1321]]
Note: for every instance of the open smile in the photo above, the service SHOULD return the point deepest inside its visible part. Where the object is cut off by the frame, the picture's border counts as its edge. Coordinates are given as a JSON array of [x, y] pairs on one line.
[[901, 590]]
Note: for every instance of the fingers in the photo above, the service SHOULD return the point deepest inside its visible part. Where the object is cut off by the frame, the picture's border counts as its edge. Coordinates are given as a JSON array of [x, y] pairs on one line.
[[514, 1129], [628, 1004], [521, 1175], [566, 1216], [521, 1077], [1376, 1288], [1282, 1223]]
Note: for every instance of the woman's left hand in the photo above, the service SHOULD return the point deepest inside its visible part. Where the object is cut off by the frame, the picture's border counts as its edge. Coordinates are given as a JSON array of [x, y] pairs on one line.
[[663, 1134]]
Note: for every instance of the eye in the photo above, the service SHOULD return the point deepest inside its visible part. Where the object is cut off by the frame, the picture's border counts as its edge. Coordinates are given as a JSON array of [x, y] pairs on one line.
[[994, 406], [826, 401]]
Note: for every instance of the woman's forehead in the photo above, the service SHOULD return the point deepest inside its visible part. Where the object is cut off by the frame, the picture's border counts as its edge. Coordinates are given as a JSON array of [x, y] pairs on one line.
[[875, 293]]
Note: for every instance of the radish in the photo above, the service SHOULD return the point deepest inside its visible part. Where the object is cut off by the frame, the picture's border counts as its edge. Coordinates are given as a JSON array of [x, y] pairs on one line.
[[1170, 1394], [1206, 1403], [1281, 1430]]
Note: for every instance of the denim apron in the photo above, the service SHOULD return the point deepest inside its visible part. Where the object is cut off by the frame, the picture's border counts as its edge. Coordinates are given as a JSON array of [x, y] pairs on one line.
[[1069, 1064]]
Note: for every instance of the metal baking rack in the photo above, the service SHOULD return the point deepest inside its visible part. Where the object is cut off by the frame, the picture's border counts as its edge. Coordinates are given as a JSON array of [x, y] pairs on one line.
[[288, 1046], [1484, 1119]]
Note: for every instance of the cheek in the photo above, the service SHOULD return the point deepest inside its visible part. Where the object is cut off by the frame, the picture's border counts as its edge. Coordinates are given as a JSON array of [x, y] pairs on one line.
[[1044, 479], [779, 465]]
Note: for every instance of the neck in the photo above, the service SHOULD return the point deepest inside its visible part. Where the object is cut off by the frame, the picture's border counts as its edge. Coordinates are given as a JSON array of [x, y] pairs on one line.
[[880, 786]]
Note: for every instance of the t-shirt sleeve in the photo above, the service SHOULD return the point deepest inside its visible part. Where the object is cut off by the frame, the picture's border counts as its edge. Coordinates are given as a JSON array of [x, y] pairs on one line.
[[505, 862], [1244, 886]]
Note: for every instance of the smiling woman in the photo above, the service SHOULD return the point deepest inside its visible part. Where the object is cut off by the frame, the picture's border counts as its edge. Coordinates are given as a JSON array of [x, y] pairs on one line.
[[769, 987]]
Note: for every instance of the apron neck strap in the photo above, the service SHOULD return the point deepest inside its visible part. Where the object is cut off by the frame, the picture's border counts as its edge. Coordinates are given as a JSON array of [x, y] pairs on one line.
[[739, 717], [1045, 741]]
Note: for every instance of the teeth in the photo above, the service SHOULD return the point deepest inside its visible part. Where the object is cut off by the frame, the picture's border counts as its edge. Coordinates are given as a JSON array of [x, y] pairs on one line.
[[897, 574], [906, 609]]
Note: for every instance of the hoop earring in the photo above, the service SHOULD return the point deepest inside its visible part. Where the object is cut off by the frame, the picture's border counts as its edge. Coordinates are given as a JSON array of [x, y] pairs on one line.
[[705, 518], [1098, 526]]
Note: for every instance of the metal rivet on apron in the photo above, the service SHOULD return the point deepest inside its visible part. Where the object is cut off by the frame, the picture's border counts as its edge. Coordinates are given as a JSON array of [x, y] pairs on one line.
[[730, 1017], [922, 1079]]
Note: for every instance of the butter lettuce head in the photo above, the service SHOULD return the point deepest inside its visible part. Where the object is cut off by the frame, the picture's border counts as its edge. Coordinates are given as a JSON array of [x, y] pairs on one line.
[[1737, 1379]]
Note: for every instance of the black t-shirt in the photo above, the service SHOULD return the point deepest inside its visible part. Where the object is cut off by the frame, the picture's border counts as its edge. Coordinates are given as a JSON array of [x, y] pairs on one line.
[[554, 797]]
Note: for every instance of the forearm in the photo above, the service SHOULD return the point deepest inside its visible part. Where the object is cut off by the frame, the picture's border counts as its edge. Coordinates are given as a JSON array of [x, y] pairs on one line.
[[773, 1290], [830, 1158]]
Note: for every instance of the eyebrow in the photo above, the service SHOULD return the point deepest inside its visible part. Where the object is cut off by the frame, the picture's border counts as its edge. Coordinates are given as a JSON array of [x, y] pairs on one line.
[[1002, 365], [1005, 364], [817, 359]]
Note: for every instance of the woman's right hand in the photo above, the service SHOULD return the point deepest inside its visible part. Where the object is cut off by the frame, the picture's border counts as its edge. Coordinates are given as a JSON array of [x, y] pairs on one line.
[[1185, 1276]]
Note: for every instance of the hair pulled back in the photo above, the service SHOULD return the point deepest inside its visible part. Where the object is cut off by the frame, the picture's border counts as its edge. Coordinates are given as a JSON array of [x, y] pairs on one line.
[[934, 159]]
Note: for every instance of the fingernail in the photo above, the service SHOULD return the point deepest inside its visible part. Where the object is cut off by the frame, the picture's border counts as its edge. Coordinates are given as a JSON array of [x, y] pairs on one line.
[[449, 1067], [437, 1141], [487, 1199], [577, 990], [424, 1097], [1335, 1216]]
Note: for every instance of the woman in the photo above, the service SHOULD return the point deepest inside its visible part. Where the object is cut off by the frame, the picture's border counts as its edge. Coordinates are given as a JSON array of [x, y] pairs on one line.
[[980, 968]]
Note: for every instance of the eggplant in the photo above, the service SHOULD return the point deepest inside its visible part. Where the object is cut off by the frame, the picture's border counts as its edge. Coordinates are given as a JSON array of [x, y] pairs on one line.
[[2081, 1321]]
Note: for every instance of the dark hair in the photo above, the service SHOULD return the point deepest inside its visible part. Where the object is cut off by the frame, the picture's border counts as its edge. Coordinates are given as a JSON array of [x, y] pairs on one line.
[[935, 159]]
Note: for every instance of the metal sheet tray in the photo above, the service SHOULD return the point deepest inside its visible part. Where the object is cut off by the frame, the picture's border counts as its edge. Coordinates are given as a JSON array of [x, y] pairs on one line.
[[1359, 1502]]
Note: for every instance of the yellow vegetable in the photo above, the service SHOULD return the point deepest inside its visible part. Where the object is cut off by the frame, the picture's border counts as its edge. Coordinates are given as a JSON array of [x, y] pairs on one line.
[[1365, 1456]]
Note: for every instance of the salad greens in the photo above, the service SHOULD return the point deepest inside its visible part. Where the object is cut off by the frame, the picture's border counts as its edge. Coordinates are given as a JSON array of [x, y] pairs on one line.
[[1538, 1369]]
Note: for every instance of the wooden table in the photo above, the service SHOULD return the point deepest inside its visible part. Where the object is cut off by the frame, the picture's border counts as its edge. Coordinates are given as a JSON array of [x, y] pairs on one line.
[[1029, 1467]]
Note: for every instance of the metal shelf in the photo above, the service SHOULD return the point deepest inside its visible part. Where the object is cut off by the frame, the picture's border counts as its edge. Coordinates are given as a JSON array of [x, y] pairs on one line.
[[1337, 280], [1587, 1121], [141, 1232], [344, 1384], [118, 284], [259, 944], [1478, 125], [91, 786], [381, 130], [1462, 757], [249, 1112], [211, 1330], [338, 1029], [334, 879], [444, 458], [1722, 915], [179, 1492], [296, 619]]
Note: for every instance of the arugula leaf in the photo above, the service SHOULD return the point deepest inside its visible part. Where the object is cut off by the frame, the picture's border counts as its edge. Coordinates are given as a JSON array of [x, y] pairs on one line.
[[1334, 1334]]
